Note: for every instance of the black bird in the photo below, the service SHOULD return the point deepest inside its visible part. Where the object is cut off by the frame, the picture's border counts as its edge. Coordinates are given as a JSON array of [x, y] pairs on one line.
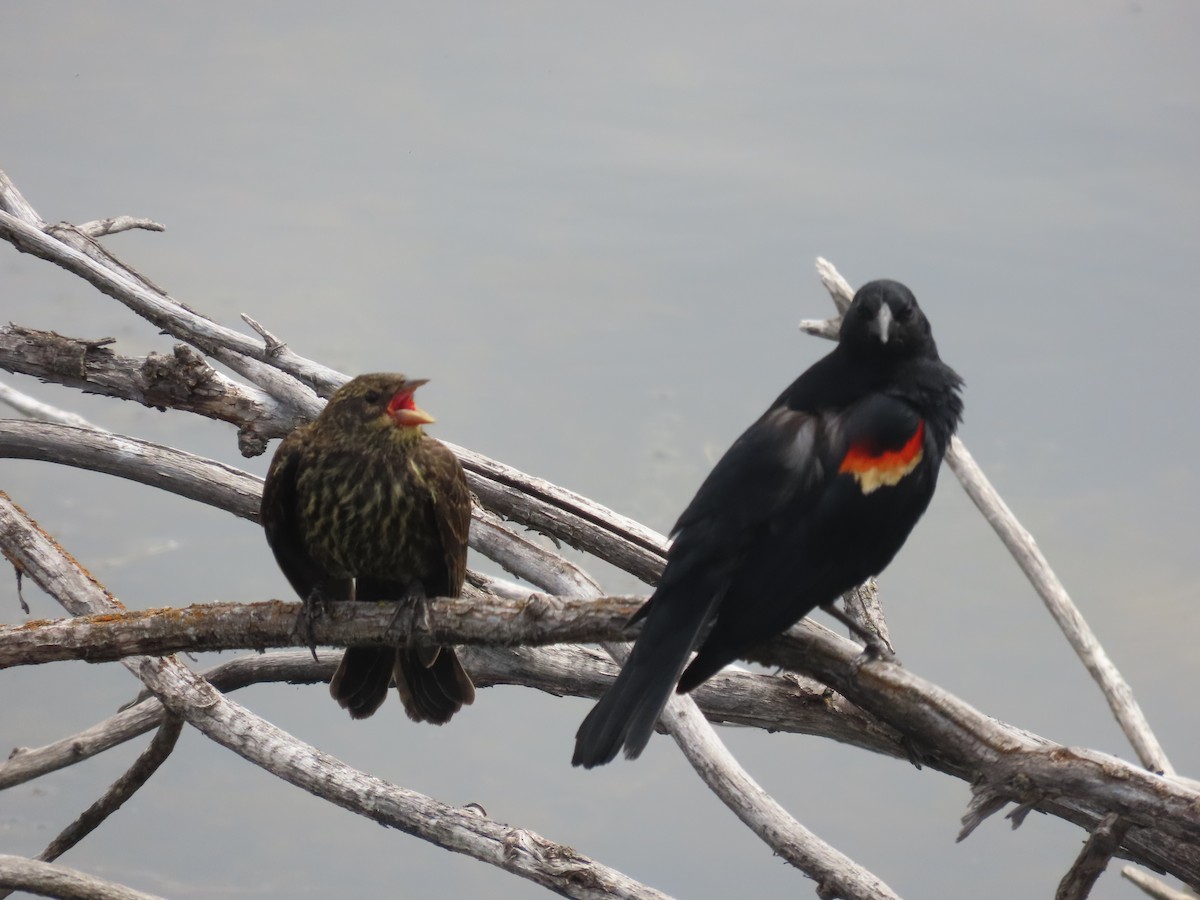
[[361, 504], [815, 497]]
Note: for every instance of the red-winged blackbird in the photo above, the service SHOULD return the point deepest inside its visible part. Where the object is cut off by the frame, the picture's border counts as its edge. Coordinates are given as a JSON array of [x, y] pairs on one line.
[[812, 499], [361, 504]]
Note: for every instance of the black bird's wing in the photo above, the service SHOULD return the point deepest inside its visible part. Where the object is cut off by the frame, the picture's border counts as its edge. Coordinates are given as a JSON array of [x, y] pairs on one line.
[[817, 495], [871, 472], [782, 524], [775, 462]]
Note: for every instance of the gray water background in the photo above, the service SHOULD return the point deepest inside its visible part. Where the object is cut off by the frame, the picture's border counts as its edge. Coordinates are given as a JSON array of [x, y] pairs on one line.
[[593, 227]]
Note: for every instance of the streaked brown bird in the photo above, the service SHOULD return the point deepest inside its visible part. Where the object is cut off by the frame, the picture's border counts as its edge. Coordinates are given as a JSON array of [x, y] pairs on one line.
[[362, 504]]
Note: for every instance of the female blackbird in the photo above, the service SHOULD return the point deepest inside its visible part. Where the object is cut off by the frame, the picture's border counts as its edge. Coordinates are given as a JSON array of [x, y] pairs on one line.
[[361, 504], [813, 498]]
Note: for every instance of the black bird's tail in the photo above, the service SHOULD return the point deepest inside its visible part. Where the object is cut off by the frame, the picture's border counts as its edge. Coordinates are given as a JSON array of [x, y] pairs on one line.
[[433, 685], [626, 714]]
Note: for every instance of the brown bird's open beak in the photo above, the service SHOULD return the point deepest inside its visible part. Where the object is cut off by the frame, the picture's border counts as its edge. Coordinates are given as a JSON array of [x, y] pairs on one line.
[[404, 411]]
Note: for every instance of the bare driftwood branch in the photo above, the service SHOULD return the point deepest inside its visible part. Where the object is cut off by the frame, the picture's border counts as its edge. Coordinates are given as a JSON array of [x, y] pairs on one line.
[[125, 787], [177, 471], [50, 880], [474, 619], [249, 501], [35, 409], [1080, 635], [522, 852], [116, 224], [1099, 848], [530, 501], [1019, 767], [1008, 763], [65, 250], [181, 380], [791, 704], [1152, 887]]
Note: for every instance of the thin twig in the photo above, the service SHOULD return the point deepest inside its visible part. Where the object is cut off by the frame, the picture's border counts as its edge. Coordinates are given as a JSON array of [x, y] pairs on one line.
[[1099, 848], [1152, 887], [121, 790], [43, 412], [102, 227], [1083, 640]]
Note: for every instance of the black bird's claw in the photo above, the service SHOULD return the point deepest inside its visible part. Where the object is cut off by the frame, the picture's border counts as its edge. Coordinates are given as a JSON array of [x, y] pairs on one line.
[[878, 649], [874, 651]]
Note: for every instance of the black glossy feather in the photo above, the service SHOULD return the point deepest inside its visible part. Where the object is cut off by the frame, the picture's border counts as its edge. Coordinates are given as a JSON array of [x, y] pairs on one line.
[[812, 499]]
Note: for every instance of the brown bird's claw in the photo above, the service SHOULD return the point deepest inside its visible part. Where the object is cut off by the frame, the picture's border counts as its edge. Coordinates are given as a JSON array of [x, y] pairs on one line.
[[413, 602], [911, 748], [311, 609]]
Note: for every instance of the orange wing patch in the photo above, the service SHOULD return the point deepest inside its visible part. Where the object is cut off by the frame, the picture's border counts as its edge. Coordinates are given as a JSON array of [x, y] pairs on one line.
[[874, 470]]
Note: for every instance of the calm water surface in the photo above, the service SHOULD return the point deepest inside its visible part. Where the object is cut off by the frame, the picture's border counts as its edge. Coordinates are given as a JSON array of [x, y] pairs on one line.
[[593, 227]]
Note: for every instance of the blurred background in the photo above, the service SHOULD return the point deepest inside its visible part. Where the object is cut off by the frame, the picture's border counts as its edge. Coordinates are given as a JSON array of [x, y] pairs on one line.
[[593, 227]]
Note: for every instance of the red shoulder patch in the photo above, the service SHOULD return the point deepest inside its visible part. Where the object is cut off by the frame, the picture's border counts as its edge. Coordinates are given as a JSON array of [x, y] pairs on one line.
[[873, 468]]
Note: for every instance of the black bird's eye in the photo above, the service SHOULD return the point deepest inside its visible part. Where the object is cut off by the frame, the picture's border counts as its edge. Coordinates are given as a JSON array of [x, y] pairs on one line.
[[372, 397], [902, 311]]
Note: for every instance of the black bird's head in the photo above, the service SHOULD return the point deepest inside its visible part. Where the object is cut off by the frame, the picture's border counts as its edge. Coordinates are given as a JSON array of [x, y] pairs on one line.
[[377, 404], [884, 319]]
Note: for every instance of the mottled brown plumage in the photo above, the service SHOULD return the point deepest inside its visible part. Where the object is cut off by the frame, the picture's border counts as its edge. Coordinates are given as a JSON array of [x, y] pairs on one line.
[[361, 504]]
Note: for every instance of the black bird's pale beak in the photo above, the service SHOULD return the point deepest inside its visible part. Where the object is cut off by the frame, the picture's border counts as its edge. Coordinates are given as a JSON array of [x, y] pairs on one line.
[[882, 323]]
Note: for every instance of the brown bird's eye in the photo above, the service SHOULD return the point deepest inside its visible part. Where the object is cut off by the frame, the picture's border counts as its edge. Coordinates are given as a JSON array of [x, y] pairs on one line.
[[372, 397]]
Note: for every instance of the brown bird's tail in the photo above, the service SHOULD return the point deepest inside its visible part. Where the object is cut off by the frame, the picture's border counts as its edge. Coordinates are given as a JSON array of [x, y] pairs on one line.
[[361, 681], [432, 682]]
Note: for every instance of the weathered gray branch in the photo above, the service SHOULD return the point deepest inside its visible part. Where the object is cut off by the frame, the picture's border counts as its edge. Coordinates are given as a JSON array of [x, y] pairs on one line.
[[51, 880], [24, 229], [791, 703], [35, 409], [147, 763], [1009, 764], [117, 224], [473, 619], [1152, 887], [949, 733]]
